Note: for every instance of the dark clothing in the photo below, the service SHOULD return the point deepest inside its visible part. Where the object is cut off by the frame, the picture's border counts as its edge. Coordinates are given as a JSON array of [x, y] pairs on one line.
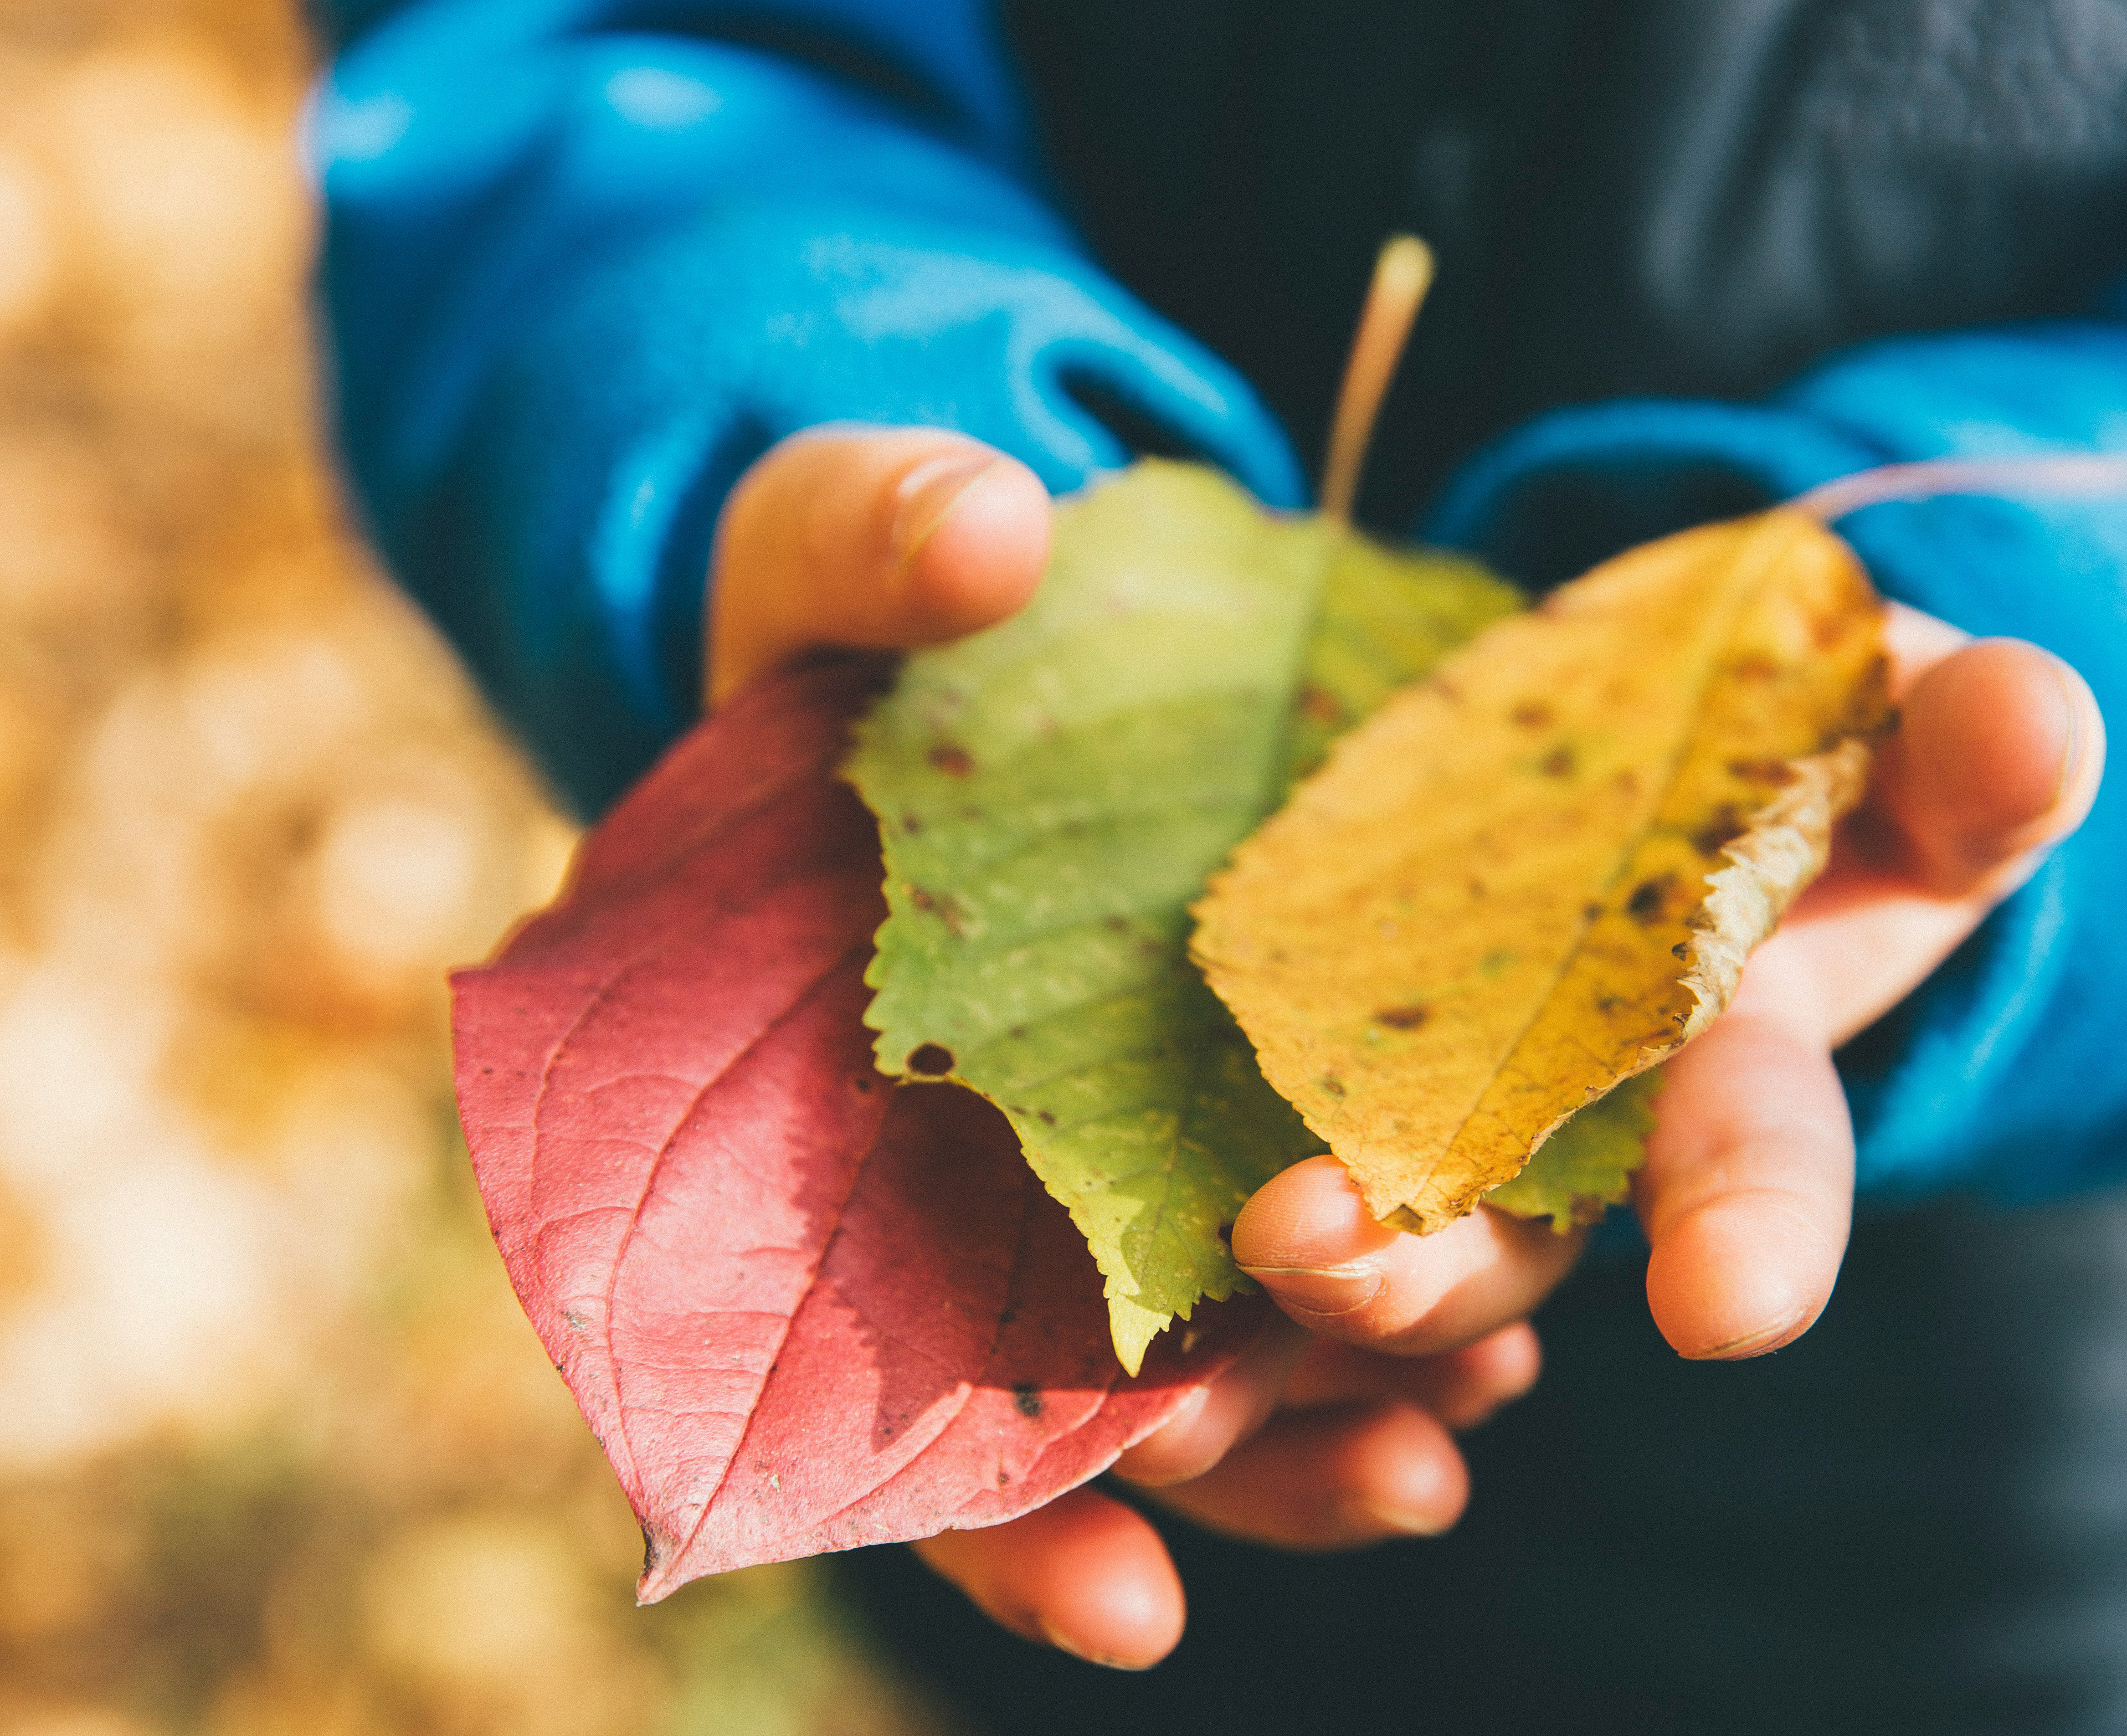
[[1628, 196], [1912, 1520]]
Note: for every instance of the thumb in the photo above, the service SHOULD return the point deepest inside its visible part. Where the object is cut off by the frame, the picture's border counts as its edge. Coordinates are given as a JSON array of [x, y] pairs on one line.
[[870, 540]]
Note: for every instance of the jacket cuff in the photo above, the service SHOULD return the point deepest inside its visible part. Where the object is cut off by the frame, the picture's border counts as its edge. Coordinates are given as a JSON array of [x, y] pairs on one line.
[[568, 547]]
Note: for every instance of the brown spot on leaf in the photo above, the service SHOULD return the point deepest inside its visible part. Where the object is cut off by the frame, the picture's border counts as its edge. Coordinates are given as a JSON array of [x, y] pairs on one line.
[[1724, 827], [931, 1061], [1403, 1019], [940, 905], [1681, 950], [954, 762], [1772, 774], [1332, 1084], [1026, 1400], [1534, 714], [1558, 763], [1048, 1118], [1114, 924], [912, 823], [1320, 706], [1754, 667], [1649, 898]]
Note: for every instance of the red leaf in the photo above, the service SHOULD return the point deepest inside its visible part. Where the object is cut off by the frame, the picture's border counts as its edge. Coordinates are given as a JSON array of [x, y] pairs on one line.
[[802, 1309]]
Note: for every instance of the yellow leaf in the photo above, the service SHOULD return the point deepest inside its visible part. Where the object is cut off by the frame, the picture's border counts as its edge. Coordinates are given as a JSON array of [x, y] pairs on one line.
[[1586, 1167], [1538, 873]]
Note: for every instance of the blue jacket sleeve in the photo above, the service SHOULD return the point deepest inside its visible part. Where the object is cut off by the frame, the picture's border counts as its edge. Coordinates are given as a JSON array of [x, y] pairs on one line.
[[582, 270], [2005, 1073]]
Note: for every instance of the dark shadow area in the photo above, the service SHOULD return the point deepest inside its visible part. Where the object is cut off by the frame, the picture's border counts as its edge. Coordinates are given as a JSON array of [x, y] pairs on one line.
[[1913, 1520]]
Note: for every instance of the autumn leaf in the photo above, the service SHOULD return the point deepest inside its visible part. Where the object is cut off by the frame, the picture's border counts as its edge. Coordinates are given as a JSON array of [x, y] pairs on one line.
[[1052, 793], [801, 1308], [1586, 1166], [1540, 872]]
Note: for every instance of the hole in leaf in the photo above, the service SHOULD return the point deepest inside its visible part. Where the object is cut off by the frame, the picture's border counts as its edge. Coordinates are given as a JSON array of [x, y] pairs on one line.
[[931, 1061]]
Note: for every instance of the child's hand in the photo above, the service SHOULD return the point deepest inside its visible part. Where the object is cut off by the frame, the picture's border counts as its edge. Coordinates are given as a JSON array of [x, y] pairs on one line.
[[870, 540], [1304, 1445], [1748, 1184], [873, 540], [889, 540]]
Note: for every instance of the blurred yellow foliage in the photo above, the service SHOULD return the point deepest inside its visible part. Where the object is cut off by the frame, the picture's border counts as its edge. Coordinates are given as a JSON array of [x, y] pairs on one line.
[[278, 1452]]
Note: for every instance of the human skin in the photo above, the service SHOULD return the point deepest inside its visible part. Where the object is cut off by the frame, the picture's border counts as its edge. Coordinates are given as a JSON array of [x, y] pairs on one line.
[[1339, 1430]]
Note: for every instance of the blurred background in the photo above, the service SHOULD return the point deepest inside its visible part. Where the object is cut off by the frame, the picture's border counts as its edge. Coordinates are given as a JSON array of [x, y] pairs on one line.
[[277, 1452]]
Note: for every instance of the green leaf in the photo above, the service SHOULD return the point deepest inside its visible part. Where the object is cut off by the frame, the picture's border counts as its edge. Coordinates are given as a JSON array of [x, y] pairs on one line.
[[1586, 1166], [1053, 792]]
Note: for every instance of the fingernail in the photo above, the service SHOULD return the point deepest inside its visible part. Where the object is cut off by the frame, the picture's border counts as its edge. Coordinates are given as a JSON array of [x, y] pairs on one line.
[[929, 494], [1403, 1521], [1753, 1343], [2078, 743], [1063, 1643], [1326, 1291]]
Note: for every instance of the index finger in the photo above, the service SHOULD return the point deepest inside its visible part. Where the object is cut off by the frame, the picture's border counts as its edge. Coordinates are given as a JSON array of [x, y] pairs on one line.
[[1308, 1239]]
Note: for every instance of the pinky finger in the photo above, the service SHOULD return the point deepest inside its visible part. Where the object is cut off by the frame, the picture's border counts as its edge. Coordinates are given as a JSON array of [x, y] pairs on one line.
[[1085, 1574]]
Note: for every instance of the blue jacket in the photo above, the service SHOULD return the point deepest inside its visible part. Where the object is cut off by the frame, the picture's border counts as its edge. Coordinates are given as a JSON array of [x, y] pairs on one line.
[[587, 259]]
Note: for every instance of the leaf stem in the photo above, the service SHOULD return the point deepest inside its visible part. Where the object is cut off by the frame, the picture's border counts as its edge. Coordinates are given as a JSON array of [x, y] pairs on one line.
[[2029, 473], [1402, 276]]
